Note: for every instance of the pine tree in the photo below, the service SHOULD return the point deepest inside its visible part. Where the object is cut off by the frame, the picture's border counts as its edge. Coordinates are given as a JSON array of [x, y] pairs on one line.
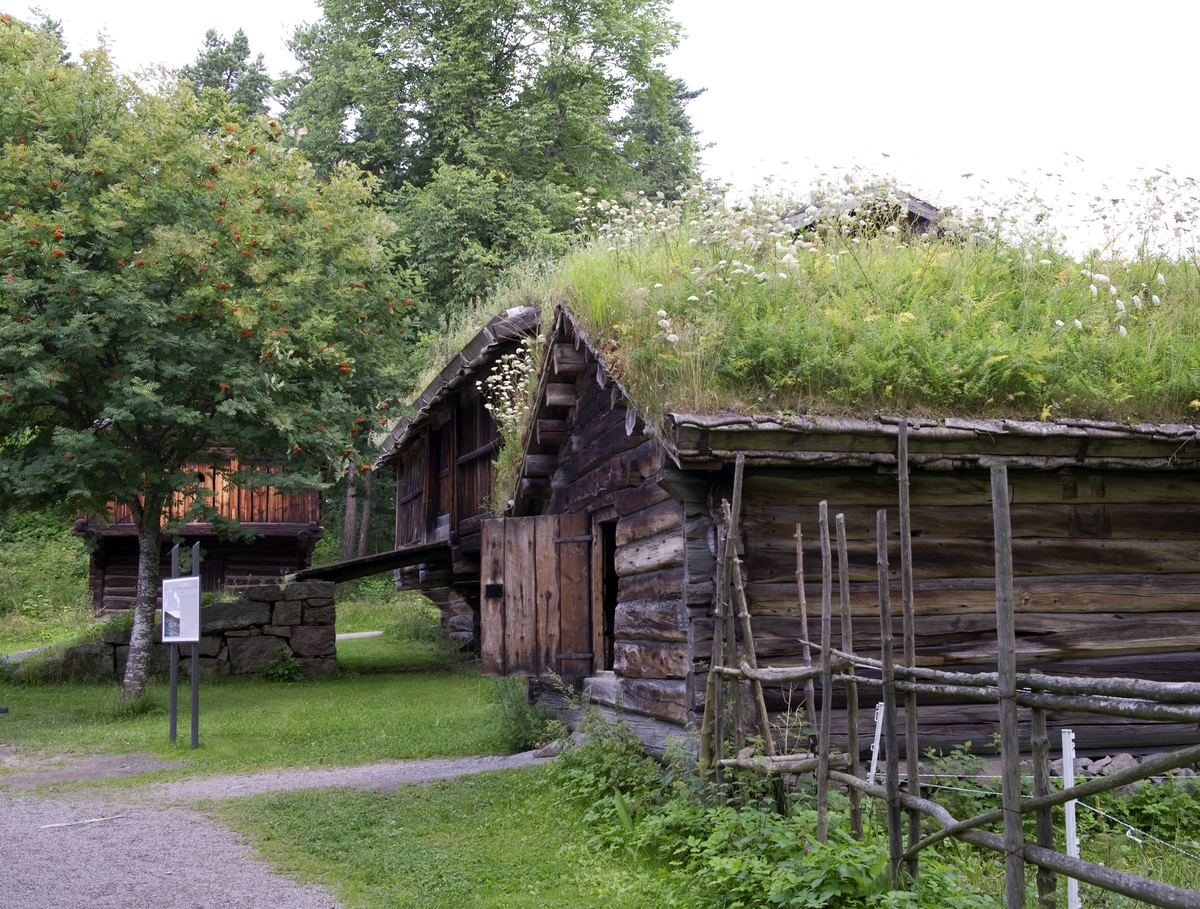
[[226, 65]]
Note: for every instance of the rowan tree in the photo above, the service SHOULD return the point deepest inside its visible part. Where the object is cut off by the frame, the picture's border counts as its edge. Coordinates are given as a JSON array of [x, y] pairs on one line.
[[175, 280]]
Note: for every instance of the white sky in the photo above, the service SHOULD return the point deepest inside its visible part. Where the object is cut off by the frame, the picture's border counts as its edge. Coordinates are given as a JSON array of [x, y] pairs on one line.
[[972, 86]]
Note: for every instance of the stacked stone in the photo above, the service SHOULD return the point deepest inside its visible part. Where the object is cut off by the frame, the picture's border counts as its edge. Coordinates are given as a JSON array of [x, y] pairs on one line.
[[459, 621], [246, 634]]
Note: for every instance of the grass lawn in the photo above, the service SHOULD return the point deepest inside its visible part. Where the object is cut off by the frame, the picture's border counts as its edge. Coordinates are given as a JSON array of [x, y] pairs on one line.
[[249, 724], [493, 841]]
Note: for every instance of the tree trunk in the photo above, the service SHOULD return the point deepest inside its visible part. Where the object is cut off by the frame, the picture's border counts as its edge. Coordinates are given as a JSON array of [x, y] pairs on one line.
[[149, 584], [364, 520], [348, 536]]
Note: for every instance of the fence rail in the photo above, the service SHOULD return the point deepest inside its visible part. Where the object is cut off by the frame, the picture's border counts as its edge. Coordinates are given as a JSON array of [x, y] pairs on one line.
[[1009, 689]]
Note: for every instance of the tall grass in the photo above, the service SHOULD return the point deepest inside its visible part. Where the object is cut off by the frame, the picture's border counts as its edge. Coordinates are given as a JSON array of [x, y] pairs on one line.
[[704, 306], [43, 580]]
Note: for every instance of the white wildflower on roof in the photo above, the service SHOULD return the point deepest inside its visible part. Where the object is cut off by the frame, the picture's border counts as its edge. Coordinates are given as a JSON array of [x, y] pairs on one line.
[[662, 313], [1058, 322], [1044, 262], [1078, 324], [664, 324], [1100, 279], [1121, 329], [672, 338], [1161, 280], [1137, 301], [1095, 292], [658, 285], [693, 299], [1155, 299], [1121, 306]]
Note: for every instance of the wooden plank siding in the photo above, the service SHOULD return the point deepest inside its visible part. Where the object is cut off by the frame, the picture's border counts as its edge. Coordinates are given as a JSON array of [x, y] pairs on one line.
[[261, 505], [536, 597], [1107, 582]]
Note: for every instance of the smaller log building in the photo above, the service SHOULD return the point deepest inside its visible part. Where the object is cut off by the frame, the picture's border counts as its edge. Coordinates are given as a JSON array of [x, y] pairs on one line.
[[286, 527]]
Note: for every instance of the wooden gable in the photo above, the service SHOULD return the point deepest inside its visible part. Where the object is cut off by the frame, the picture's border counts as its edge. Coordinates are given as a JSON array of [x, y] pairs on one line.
[[536, 596]]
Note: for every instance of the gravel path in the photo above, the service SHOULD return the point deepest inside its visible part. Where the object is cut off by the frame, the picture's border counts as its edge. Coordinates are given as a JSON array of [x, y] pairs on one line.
[[145, 847]]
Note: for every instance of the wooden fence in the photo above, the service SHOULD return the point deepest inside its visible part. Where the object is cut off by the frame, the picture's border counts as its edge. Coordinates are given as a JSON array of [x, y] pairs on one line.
[[1008, 688]]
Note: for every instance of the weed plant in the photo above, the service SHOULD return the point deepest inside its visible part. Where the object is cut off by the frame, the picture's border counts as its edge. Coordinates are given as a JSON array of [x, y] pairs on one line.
[[523, 725], [707, 306]]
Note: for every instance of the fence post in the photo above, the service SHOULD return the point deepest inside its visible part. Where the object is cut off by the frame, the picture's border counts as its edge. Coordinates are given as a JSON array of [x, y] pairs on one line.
[[892, 781], [856, 820], [1068, 746], [173, 652], [1010, 746], [826, 676], [810, 696], [912, 750], [1039, 742]]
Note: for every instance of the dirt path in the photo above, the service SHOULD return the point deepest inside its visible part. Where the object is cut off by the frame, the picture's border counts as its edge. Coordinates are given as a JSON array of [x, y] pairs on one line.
[[145, 846]]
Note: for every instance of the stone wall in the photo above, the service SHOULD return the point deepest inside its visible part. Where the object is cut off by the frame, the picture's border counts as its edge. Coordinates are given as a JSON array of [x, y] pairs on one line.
[[243, 636]]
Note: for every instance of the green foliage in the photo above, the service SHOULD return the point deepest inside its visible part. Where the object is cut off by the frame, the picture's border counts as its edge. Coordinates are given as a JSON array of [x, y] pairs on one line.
[[177, 278], [657, 139], [736, 855], [284, 667], [43, 579], [179, 285], [522, 724], [226, 66], [705, 305], [482, 119], [1169, 810]]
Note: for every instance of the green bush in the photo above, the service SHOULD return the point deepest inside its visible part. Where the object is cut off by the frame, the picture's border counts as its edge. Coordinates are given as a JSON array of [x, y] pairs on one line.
[[522, 725], [284, 667]]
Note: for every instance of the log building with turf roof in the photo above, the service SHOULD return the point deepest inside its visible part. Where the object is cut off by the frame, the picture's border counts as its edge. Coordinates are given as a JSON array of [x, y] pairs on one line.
[[601, 572]]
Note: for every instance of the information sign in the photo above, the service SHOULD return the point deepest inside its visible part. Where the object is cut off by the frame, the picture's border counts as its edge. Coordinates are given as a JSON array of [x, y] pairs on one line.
[[181, 610]]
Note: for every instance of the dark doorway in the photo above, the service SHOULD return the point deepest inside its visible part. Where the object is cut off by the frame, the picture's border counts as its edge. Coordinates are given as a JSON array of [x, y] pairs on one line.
[[608, 544]]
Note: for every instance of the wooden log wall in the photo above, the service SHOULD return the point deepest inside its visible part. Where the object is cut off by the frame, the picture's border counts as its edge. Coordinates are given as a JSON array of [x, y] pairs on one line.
[[1107, 581], [224, 564], [594, 456]]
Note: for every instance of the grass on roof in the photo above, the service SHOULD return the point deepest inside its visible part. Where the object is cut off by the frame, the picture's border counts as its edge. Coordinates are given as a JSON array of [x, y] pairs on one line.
[[705, 307]]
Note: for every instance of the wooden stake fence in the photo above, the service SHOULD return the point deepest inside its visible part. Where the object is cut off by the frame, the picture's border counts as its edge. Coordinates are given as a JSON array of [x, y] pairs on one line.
[[1011, 690]]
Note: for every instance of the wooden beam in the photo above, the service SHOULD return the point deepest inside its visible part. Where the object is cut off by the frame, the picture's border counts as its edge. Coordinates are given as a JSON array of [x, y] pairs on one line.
[[560, 394]]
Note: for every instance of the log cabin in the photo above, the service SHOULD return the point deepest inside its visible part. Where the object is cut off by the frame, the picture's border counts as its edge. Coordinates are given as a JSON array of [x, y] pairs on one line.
[[286, 527], [601, 572]]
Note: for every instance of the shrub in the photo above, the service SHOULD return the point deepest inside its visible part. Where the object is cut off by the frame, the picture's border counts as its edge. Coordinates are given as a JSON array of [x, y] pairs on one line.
[[736, 855], [284, 667]]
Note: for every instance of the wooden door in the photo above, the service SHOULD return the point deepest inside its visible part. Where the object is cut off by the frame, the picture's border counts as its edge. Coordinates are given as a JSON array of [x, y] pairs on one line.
[[536, 593]]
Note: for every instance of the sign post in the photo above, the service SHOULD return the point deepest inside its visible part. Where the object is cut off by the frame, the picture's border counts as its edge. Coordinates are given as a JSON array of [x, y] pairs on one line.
[[181, 624]]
